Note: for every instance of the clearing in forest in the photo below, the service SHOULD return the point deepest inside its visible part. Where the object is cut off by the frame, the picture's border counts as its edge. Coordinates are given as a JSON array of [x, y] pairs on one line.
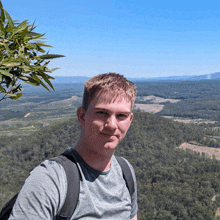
[[208, 151]]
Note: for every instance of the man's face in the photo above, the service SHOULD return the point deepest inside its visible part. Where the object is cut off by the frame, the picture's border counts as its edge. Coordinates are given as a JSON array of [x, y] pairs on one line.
[[106, 124]]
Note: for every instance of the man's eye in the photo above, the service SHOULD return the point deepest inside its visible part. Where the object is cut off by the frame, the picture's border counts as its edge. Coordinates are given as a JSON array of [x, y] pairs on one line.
[[101, 113], [121, 116]]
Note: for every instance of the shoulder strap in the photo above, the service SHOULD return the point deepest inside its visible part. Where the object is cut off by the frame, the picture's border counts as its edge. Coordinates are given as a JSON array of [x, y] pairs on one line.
[[6, 210], [73, 182], [126, 174], [73, 185]]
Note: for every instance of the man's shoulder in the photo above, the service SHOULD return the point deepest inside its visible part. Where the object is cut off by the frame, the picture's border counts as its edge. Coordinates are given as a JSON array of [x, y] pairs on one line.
[[47, 184], [48, 172], [48, 166]]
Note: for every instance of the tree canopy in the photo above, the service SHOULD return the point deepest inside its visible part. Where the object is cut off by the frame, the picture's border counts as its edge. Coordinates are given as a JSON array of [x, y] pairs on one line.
[[22, 57], [173, 184]]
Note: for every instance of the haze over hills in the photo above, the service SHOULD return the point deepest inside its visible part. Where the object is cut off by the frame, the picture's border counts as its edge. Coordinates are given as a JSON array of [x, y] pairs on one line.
[[70, 79], [82, 79], [211, 76]]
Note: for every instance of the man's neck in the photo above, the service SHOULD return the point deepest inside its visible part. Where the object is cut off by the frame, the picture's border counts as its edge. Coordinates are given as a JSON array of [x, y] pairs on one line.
[[97, 160]]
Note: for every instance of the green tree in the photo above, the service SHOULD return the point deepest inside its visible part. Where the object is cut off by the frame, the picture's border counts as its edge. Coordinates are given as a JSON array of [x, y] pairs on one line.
[[22, 57]]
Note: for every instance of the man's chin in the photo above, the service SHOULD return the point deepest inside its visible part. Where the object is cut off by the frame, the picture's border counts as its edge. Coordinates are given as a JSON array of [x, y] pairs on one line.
[[111, 145]]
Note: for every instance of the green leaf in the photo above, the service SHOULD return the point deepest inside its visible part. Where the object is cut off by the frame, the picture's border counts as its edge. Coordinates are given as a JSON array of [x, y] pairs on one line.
[[49, 77], [22, 26], [24, 59], [24, 33], [26, 68], [10, 22], [39, 81], [34, 46], [32, 26], [15, 96], [53, 69], [41, 50], [19, 95], [50, 56], [35, 78], [9, 30], [31, 46], [43, 45], [1, 6], [2, 13], [41, 41], [47, 81], [32, 83], [46, 63], [24, 78], [7, 49], [34, 35], [17, 88], [2, 26], [12, 64], [5, 73]]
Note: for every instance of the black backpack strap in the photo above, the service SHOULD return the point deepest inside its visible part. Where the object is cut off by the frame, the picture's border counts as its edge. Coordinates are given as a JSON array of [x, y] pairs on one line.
[[73, 185], [6, 210], [126, 174], [73, 188]]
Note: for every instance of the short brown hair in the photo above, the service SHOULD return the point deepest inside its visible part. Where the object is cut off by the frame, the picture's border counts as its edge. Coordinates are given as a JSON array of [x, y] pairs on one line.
[[112, 83]]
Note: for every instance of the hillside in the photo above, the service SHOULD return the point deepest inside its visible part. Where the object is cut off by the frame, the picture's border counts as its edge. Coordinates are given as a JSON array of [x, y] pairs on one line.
[[196, 99], [172, 183], [183, 101]]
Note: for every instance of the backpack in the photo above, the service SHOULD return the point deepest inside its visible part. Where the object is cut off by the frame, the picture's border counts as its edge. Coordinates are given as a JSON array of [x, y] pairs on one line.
[[73, 186]]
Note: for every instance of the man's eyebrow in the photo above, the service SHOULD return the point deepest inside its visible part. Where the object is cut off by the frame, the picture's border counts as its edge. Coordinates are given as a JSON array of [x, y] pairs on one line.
[[121, 112], [102, 109]]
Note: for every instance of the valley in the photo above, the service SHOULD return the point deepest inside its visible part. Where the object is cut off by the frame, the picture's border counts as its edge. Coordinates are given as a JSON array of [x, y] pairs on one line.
[[173, 182]]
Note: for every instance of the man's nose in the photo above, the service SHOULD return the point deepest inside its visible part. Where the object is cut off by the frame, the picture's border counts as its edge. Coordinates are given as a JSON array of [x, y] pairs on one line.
[[111, 122]]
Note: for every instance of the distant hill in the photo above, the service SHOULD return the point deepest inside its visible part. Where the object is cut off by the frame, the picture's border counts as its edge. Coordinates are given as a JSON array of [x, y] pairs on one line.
[[82, 79], [212, 76], [70, 79]]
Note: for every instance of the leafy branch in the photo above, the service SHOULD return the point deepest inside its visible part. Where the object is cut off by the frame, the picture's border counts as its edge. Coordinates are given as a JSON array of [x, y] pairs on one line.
[[22, 57]]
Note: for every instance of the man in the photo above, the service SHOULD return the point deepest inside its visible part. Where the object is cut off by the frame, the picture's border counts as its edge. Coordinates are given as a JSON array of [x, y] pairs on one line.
[[105, 117]]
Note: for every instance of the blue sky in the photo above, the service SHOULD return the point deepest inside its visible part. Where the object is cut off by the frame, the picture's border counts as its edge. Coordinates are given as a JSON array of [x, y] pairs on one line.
[[136, 38]]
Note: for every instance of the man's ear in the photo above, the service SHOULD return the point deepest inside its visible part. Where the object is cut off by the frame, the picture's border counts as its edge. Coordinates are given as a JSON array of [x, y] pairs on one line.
[[131, 117], [81, 112]]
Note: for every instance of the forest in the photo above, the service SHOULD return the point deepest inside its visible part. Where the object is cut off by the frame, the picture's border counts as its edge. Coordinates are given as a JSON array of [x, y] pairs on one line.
[[198, 99], [172, 183]]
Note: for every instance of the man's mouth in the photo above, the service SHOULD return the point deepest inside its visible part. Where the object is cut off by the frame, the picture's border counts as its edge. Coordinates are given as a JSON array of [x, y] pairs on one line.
[[108, 135]]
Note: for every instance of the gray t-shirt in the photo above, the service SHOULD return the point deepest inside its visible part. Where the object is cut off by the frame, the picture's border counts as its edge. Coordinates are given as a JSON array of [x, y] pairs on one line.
[[103, 195]]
